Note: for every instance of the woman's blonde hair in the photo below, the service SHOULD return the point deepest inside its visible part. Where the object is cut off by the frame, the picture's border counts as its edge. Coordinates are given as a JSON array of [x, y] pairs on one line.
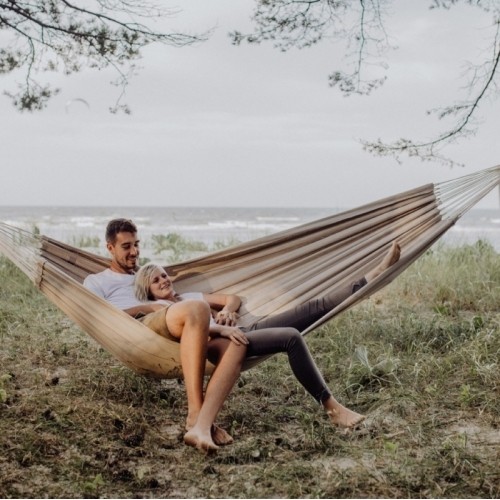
[[142, 282]]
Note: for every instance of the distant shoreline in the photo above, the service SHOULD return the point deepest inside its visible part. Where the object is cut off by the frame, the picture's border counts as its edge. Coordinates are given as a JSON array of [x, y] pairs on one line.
[[211, 225]]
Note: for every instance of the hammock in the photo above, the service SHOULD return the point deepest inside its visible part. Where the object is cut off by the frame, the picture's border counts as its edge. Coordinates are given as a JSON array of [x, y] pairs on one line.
[[270, 274]]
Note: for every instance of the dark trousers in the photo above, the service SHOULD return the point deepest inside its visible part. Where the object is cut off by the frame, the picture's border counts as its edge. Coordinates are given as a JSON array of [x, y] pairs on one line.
[[280, 333]]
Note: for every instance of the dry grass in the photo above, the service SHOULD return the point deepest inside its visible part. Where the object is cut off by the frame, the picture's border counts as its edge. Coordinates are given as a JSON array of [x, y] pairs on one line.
[[420, 359]]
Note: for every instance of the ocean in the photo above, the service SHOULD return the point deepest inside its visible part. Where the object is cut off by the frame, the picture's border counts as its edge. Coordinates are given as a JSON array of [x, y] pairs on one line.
[[208, 225]]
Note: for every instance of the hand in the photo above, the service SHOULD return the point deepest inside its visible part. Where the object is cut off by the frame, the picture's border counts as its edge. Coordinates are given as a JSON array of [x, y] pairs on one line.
[[234, 335], [226, 318]]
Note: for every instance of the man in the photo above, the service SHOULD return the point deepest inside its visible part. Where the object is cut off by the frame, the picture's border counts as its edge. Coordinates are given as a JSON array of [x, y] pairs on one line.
[[187, 322]]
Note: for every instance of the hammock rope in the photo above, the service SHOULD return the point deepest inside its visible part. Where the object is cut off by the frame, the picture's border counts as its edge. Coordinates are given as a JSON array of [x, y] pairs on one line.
[[270, 274]]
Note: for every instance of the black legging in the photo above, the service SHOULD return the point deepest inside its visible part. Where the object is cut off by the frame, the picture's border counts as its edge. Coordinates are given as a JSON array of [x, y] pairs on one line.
[[280, 333]]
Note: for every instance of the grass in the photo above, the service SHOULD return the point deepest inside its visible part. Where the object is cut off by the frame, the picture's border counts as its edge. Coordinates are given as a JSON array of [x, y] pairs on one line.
[[420, 359]]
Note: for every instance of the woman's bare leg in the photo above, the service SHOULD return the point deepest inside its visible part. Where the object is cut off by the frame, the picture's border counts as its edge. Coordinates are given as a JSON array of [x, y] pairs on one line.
[[188, 321], [230, 359], [215, 351]]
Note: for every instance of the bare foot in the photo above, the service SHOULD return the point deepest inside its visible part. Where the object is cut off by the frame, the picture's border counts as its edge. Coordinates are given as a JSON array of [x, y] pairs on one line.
[[220, 436], [199, 440], [391, 257], [345, 418]]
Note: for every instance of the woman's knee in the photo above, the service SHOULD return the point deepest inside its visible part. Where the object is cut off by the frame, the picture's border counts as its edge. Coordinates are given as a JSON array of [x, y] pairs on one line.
[[192, 313], [195, 311]]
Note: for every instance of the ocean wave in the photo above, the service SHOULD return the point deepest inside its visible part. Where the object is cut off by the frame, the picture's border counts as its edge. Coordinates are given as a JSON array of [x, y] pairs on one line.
[[474, 229], [252, 225], [290, 220], [209, 225]]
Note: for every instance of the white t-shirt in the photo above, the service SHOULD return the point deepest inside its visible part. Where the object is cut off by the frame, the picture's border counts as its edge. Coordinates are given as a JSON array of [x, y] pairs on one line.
[[116, 288]]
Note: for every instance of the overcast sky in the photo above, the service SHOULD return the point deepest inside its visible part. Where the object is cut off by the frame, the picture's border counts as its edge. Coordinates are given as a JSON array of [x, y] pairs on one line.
[[218, 125]]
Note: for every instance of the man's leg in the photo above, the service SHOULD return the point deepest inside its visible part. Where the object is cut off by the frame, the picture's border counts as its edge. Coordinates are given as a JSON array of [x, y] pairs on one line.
[[304, 315], [289, 340]]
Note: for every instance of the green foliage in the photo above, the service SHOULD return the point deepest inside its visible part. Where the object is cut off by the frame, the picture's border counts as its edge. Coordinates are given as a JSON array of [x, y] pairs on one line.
[[221, 245], [363, 373], [86, 241], [456, 279], [94, 485], [177, 246], [3, 392]]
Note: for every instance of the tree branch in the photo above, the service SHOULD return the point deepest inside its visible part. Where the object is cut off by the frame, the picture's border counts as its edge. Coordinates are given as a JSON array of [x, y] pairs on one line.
[[76, 37], [302, 23], [431, 150]]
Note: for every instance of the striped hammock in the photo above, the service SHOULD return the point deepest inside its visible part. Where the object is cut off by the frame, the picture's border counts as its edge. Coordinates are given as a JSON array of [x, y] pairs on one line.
[[270, 274]]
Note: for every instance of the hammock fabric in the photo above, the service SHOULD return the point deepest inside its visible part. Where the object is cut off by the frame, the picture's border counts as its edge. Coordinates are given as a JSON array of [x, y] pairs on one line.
[[270, 274]]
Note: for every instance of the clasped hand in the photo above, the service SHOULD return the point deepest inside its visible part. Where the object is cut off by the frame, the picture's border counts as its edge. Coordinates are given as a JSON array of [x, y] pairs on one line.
[[226, 318]]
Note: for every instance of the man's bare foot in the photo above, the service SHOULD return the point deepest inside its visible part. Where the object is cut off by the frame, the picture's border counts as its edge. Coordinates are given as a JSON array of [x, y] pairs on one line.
[[391, 257], [220, 436], [199, 440], [341, 416]]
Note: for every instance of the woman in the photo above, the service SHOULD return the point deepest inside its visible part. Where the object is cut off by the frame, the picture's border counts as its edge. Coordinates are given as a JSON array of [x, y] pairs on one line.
[[271, 335]]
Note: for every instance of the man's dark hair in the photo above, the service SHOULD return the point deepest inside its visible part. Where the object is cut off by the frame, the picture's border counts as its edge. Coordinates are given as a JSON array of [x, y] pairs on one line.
[[116, 226]]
